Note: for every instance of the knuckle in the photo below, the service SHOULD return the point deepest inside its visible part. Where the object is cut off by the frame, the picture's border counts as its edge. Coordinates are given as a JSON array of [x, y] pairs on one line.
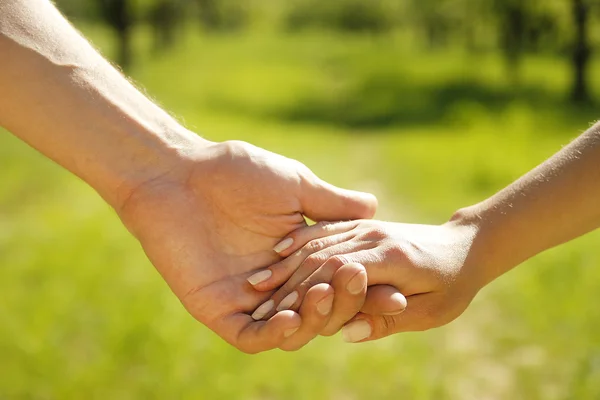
[[304, 287], [321, 225], [313, 262], [337, 261], [236, 147], [377, 234], [388, 325], [326, 226], [394, 252], [314, 245]]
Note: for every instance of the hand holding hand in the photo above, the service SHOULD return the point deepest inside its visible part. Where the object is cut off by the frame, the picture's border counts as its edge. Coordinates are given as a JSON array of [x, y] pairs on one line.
[[214, 218], [430, 265]]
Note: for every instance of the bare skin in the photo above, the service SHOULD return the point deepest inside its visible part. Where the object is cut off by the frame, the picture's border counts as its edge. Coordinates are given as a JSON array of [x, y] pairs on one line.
[[207, 214], [440, 269]]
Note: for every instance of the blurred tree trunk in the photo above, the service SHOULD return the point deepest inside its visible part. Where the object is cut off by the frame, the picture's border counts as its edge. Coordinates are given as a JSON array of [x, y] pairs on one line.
[[581, 51], [118, 15], [164, 16], [209, 14], [512, 37]]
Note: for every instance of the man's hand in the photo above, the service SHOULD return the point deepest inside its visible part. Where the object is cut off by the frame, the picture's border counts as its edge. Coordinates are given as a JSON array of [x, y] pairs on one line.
[[213, 220], [206, 214]]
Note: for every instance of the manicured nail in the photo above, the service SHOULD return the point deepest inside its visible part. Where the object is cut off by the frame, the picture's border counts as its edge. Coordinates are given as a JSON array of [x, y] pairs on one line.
[[259, 277], [289, 332], [399, 302], [284, 244], [288, 301], [356, 331], [324, 306], [357, 284], [263, 310]]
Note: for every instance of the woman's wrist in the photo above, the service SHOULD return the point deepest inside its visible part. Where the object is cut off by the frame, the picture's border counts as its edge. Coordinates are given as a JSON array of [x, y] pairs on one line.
[[488, 255]]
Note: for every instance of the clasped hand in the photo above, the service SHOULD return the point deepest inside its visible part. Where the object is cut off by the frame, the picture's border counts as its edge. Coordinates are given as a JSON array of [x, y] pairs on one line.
[[428, 264], [212, 221]]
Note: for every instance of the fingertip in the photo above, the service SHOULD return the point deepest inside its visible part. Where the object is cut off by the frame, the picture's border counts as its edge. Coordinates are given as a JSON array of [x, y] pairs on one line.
[[358, 330], [384, 300], [360, 205], [357, 283], [370, 204], [397, 303], [318, 292], [283, 245], [258, 336], [287, 318], [284, 324], [259, 278], [319, 297]]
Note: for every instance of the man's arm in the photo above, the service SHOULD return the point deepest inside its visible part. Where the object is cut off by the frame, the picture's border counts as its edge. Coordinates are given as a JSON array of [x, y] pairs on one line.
[[60, 96], [207, 214]]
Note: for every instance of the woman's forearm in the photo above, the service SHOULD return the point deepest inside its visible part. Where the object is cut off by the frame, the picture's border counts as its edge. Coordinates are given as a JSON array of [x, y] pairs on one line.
[[554, 203], [60, 96]]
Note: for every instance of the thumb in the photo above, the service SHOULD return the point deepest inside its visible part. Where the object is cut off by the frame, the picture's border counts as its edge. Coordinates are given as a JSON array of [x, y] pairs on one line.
[[383, 300], [418, 316], [322, 201]]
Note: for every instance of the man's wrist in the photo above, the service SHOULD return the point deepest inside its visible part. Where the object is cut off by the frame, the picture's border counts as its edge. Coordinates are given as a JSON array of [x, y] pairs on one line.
[[146, 156]]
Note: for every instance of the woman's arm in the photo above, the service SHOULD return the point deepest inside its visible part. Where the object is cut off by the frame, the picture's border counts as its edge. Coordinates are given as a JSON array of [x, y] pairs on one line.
[[552, 204], [441, 268]]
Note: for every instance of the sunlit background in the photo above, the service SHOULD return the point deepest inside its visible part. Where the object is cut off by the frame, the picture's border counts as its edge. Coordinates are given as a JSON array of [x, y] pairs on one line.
[[430, 104]]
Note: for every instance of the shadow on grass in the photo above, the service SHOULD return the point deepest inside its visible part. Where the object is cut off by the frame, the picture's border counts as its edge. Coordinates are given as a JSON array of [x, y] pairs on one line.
[[379, 102]]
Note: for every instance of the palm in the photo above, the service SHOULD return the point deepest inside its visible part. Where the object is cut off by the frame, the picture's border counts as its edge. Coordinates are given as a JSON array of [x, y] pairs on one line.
[[206, 233]]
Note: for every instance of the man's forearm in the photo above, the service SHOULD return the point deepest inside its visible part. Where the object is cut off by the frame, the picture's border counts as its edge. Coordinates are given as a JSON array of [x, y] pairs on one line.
[[554, 203], [60, 96]]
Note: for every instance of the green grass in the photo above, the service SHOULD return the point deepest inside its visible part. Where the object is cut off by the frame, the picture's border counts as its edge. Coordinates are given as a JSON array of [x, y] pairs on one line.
[[84, 315]]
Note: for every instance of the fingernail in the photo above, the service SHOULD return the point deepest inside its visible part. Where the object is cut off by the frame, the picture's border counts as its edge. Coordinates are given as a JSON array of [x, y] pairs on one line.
[[357, 284], [263, 310], [356, 331], [259, 277], [289, 332], [288, 301], [284, 244], [324, 306], [400, 303]]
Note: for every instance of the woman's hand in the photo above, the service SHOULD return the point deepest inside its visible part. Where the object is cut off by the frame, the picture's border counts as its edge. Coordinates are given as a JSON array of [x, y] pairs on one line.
[[431, 265]]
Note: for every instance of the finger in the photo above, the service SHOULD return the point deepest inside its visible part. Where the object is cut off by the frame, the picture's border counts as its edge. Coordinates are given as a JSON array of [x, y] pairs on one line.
[[322, 201], [383, 300], [210, 303], [350, 285], [223, 306], [422, 312], [315, 312], [300, 237], [279, 273], [292, 295], [255, 336]]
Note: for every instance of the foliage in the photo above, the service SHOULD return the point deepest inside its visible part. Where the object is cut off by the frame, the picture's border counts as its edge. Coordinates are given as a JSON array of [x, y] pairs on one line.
[[345, 15], [86, 316]]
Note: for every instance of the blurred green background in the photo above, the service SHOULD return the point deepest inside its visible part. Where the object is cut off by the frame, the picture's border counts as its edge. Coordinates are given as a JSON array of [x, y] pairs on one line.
[[431, 105]]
